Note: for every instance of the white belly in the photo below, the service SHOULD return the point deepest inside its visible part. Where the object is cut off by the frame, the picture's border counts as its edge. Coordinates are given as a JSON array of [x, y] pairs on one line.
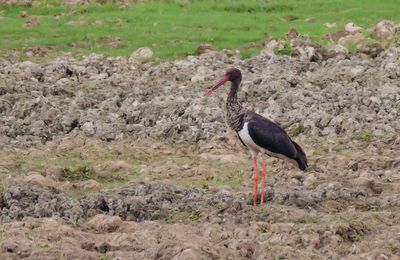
[[245, 136]]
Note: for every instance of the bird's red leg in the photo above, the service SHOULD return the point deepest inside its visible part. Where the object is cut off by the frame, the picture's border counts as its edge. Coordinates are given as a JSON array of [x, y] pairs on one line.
[[255, 181], [264, 175]]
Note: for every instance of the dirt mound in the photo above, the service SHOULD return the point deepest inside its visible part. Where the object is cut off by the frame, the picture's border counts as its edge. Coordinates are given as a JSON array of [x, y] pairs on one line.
[[119, 98], [219, 223], [123, 158]]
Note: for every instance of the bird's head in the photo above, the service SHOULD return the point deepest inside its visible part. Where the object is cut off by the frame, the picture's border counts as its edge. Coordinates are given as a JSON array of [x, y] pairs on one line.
[[230, 75]]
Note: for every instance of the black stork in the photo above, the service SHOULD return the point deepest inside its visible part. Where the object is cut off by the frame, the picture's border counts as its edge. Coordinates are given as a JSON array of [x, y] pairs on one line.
[[258, 133]]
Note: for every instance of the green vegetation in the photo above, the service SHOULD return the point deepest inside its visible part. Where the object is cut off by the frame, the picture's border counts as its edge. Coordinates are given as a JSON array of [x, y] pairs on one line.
[[393, 246], [2, 232], [387, 180], [174, 29], [3, 186], [296, 130], [43, 245], [183, 217], [229, 176], [367, 135], [287, 50]]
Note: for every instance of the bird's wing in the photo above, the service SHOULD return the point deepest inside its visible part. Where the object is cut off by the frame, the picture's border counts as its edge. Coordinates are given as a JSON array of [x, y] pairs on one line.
[[270, 136]]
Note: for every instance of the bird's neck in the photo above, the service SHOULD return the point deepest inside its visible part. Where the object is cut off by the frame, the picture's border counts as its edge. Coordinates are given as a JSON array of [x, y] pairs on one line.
[[234, 111], [232, 96]]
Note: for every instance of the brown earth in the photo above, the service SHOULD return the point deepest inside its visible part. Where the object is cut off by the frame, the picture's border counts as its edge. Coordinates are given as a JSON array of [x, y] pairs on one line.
[[118, 158]]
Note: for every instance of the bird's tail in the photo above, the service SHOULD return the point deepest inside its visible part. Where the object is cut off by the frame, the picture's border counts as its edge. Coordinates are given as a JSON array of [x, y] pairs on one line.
[[301, 157]]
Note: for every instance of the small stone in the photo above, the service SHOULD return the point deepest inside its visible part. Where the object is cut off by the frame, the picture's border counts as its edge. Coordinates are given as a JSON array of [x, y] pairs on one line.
[[352, 28], [38, 179], [24, 14], [117, 166], [89, 128], [353, 38], [292, 33], [384, 29], [55, 173], [203, 48], [142, 54]]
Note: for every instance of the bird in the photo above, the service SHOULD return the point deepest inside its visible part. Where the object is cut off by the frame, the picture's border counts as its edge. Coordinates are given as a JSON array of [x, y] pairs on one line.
[[257, 133]]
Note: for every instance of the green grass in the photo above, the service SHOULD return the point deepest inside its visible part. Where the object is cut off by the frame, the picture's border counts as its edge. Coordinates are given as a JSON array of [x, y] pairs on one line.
[[3, 186], [43, 245], [366, 136], [297, 130], [174, 30], [2, 232]]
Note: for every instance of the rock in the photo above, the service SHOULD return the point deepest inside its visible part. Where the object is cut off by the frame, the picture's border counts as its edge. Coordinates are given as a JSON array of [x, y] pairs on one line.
[[272, 46], [32, 23], [197, 78], [203, 48], [353, 38], [330, 25], [38, 179], [308, 53], [384, 29], [89, 128], [225, 158], [334, 51], [117, 166], [142, 54], [104, 223], [357, 71], [56, 174], [310, 181], [371, 49], [292, 34], [352, 28], [23, 14]]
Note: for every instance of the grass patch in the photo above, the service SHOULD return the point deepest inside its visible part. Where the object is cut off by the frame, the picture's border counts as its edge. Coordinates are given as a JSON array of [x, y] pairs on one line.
[[287, 50], [174, 30], [393, 246], [3, 187], [43, 245], [69, 166], [2, 232], [366, 136], [387, 180], [233, 179], [297, 130], [82, 173], [183, 217]]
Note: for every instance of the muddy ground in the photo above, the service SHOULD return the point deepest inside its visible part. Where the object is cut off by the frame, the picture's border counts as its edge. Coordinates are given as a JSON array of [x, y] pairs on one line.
[[122, 158]]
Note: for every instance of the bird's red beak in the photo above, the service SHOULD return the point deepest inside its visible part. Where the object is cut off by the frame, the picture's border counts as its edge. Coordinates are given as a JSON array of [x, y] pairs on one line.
[[221, 82]]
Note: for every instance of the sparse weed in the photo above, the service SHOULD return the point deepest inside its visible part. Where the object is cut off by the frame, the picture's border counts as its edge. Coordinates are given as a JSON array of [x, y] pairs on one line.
[[3, 187], [43, 245], [297, 130], [1, 232], [387, 180], [287, 50], [195, 216], [394, 247], [366, 136]]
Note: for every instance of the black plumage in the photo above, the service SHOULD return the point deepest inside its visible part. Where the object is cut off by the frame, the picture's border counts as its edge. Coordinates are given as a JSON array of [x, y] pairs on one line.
[[271, 137]]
